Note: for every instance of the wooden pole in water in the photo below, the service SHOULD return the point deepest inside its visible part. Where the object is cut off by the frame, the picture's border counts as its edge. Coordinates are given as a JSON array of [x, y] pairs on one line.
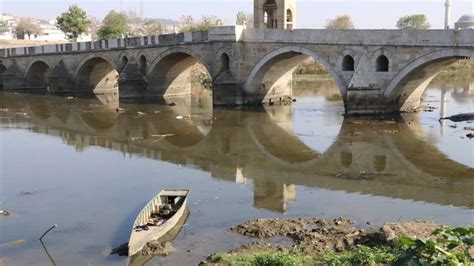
[[47, 231]]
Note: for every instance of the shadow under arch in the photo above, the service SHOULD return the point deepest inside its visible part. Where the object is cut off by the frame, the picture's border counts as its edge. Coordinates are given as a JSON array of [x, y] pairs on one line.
[[171, 73], [406, 88], [37, 75], [3, 68], [96, 75], [273, 72]]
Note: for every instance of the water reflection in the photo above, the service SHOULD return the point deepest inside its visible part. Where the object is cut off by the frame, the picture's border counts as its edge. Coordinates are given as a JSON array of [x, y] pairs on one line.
[[258, 145]]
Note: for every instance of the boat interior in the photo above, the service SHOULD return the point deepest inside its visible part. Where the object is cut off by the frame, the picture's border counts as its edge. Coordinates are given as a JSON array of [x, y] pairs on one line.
[[158, 211]]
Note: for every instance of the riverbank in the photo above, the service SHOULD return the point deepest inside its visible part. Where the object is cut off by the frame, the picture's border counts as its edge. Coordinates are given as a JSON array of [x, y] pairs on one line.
[[340, 241]]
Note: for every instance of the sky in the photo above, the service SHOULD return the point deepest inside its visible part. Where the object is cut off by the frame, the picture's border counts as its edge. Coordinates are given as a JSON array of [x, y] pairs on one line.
[[366, 14]]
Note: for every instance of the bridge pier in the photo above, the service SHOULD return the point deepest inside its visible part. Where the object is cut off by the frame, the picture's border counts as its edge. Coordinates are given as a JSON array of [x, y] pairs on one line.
[[13, 78], [132, 82]]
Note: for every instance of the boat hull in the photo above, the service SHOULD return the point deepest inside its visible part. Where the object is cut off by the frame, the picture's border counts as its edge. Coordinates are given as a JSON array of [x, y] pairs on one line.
[[138, 240]]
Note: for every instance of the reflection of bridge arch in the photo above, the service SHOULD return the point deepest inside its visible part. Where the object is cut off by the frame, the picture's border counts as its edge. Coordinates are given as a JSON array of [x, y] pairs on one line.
[[278, 151], [407, 87], [274, 70], [99, 120], [387, 148]]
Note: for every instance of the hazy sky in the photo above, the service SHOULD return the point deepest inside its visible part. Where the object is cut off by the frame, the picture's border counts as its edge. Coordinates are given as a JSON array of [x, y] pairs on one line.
[[367, 14]]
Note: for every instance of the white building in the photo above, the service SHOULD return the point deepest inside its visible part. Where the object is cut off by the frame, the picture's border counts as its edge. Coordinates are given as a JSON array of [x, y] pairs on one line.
[[50, 32], [465, 22]]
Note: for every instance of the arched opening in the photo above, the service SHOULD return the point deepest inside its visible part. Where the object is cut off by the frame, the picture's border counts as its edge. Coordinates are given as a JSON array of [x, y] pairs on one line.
[[123, 63], [269, 11], [225, 62], [289, 19], [348, 63], [37, 76], [382, 64], [405, 91], [142, 63], [293, 72], [97, 76], [2, 70], [179, 74]]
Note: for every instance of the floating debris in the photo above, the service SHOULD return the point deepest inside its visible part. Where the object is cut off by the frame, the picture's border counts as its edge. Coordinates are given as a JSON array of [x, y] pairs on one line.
[[163, 136], [179, 117], [4, 110], [358, 176], [26, 193], [459, 117], [470, 136], [5, 213], [120, 110], [469, 128], [141, 113]]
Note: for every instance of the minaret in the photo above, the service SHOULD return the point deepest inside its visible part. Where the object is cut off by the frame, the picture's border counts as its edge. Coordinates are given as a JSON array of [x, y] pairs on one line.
[[447, 16]]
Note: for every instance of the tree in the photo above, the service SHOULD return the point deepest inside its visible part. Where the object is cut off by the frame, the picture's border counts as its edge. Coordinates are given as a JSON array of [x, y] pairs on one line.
[[26, 27], [73, 23], [114, 26], [340, 23], [4, 27], [244, 19], [205, 23], [241, 18], [413, 22], [153, 28]]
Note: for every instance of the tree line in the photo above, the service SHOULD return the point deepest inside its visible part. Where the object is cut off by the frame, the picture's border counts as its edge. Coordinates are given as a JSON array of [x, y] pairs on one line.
[[75, 22]]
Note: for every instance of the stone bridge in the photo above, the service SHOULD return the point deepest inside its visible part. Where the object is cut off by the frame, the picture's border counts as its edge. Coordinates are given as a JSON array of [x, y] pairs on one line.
[[262, 147], [377, 71]]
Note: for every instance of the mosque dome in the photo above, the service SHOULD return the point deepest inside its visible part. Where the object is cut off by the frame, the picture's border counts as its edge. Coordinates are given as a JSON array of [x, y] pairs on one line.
[[465, 22]]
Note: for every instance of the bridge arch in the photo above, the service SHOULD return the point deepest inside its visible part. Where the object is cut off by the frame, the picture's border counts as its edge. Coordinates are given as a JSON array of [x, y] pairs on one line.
[[272, 74], [171, 73], [405, 90], [96, 75], [37, 75], [3, 68]]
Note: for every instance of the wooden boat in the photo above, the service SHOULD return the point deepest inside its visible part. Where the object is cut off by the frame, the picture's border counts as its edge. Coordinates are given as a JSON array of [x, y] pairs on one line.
[[141, 259], [157, 218]]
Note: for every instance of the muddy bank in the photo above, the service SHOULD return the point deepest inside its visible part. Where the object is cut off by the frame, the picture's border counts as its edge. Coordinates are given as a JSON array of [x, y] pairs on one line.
[[314, 236]]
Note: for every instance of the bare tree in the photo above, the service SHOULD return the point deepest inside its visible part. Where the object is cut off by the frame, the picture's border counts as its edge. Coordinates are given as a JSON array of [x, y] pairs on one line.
[[340, 23]]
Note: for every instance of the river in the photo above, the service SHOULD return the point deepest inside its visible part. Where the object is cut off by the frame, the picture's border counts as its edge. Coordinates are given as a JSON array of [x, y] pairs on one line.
[[81, 165]]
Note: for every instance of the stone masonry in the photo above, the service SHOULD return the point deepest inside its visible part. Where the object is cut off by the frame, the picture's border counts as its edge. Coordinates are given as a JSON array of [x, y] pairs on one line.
[[377, 71]]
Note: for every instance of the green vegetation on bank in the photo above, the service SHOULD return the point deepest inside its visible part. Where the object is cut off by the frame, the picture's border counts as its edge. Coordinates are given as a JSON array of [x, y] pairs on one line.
[[451, 247], [462, 67], [311, 67]]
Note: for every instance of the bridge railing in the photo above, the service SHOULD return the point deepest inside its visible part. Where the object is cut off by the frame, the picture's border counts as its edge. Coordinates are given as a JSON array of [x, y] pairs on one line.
[[133, 42]]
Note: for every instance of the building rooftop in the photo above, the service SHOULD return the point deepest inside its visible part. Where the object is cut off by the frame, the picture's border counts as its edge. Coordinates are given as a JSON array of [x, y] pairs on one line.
[[467, 18]]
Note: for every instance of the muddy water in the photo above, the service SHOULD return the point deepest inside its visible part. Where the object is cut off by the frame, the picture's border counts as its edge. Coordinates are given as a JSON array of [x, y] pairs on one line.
[[90, 170]]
